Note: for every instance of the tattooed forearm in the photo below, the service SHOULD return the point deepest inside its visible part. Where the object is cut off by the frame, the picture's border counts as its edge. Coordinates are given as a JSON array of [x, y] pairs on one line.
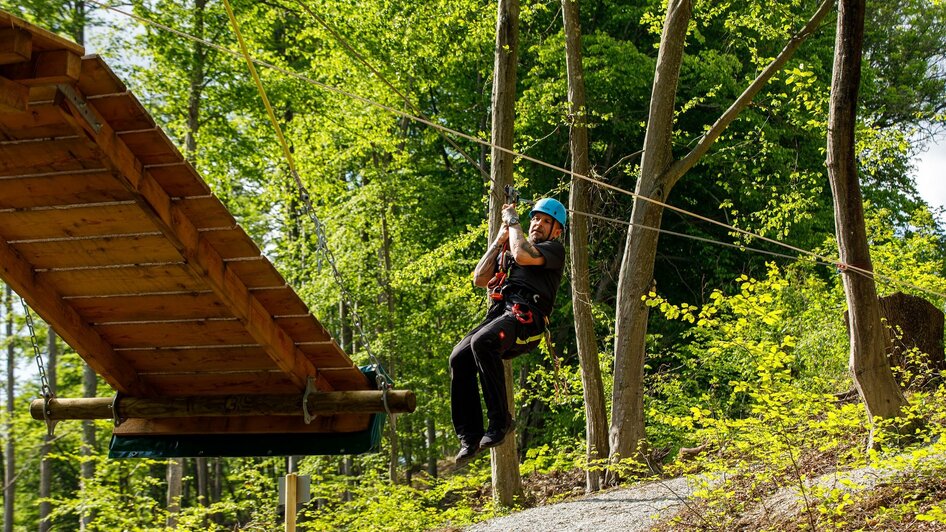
[[530, 249], [524, 251], [486, 267]]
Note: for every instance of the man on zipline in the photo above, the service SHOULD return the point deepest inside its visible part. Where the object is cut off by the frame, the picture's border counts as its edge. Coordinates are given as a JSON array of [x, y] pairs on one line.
[[522, 275]]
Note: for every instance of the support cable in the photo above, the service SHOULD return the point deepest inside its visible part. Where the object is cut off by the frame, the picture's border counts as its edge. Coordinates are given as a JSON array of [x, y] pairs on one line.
[[382, 381], [295, 75], [351, 49]]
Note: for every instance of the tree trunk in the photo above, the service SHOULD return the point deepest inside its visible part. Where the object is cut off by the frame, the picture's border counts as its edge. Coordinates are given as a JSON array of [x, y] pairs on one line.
[[507, 485], [658, 175], [203, 484], [596, 420], [407, 451], [637, 268], [914, 323], [868, 362], [345, 334], [431, 447], [197, 74], [217, 488], [175, 478], [389, 300], [348, 471], [9, 453], [45, 465], [89, 445]]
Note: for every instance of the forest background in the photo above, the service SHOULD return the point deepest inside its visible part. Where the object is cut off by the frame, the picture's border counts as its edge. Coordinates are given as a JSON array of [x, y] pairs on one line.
[[741, 341]]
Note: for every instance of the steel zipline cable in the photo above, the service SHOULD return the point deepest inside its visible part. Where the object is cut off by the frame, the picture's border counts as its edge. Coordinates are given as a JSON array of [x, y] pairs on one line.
[[816, 257]]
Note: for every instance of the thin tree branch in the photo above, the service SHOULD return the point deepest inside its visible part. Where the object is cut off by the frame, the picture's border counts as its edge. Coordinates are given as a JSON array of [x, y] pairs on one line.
[[680, 167]]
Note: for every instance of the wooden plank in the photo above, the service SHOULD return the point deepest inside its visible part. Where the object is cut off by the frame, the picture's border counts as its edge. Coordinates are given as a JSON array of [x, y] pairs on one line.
[[41, 121], [325, 354], [304, 329], [13, 96], [281, 300], [97, 78], [60, 188], [124, 280], [75, 222], [198, 359], [49, 305], [178, 179], [258, 273], [227, 358], [206, 212], [151, 307], [174, 223], [150, 146], [16, 45], [123, 112], [46, 68], [105, 251], [47, 156], [350, 378], [223, 383], [244, 425], [231, 243], [175, 334]]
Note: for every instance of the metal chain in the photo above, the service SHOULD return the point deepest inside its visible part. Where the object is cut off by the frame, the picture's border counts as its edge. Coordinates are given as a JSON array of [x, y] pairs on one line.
[[44, 381], [326, 253]]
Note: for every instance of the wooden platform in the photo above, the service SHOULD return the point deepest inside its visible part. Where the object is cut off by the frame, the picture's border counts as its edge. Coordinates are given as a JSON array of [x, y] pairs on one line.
[[115, 240]]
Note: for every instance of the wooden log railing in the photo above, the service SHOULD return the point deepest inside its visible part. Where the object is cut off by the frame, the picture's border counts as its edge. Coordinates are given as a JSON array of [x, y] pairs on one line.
[[319, 403]]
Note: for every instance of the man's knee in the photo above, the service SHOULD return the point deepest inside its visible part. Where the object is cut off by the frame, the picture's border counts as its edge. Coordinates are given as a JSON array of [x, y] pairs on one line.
[[462, 354], [486, 343]]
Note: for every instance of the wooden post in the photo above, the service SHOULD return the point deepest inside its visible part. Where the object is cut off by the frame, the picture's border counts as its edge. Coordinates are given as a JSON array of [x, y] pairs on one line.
[[291, 486]]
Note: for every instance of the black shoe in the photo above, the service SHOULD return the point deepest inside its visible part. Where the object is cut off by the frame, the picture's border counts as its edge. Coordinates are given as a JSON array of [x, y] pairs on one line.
[[493, 438], [496, 436], [468, 452]]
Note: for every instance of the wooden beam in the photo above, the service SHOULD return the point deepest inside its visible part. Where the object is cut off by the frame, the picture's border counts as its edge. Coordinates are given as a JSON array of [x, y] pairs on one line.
[[197, 251], [13, 96], [116, 371], [242, 425], [319, 403], [46, 68], [16, 45], [46, 38]]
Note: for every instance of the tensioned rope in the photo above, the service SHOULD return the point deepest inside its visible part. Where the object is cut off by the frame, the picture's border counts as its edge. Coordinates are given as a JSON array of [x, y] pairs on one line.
[[382, 382], [439, 127], [351, 49]]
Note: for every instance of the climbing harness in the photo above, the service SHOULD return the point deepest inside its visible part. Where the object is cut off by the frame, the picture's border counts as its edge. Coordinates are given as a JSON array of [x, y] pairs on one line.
[[495, 285], [523, 314]]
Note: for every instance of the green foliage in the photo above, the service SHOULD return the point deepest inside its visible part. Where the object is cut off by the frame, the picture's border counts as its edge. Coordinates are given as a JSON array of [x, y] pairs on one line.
[[737, 344], [745, 367], [375, 504]]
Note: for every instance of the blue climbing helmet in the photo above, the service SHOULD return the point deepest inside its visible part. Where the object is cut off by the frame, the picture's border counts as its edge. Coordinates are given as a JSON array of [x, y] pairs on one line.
[[553, 208]]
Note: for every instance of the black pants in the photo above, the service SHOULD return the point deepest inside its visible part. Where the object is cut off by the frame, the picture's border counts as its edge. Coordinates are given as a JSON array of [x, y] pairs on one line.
[[480, 354]]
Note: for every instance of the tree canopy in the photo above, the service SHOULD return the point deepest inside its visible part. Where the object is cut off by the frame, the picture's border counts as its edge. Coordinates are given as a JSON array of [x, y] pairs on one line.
[[404, 214]]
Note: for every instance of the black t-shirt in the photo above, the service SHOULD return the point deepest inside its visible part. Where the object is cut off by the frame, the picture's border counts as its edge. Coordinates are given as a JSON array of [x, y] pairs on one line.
[[542, 281]]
